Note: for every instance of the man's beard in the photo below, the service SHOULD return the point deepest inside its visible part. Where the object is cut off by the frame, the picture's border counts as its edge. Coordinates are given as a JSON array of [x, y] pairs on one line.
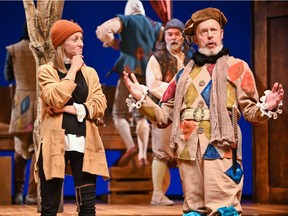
[[174, 46], [207, 52]]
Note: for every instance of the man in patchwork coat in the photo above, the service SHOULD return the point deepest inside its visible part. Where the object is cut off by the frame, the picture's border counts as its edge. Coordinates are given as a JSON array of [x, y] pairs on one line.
[[203, 103]]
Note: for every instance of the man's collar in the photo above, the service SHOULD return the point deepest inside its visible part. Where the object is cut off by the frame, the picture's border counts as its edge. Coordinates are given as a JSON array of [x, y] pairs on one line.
[[201, 59]]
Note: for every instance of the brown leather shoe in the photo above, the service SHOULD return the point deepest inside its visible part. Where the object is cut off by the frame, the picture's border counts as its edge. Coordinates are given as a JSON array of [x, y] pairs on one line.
[[124, 160]]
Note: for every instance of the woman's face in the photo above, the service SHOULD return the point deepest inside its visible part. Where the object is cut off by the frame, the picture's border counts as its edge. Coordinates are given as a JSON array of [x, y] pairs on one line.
[[73, 45]]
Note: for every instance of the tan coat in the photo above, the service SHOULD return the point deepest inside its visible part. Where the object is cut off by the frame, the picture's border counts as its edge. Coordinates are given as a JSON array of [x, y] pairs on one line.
[[56, 93]]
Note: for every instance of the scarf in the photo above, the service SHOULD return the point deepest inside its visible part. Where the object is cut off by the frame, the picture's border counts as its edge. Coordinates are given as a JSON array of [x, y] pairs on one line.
[[201, 59], [221, 127]]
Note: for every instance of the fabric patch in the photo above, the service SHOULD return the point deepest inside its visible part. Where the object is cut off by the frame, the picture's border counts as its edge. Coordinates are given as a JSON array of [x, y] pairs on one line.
[[238, 175], [227, 211], [187, 128], [25, 104], [231, 97], [235, 71], [184, 155], [210, 68], [247, 84], [207, 128], [170, 92], [149, 112], [140, 53], [190, 95], [228, 154], [206, 93], [195, 72], [211, 153], [179, 74]]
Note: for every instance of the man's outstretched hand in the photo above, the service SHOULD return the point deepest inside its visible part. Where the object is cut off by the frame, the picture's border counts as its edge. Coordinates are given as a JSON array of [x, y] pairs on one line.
[[133, 85], [276, 95]]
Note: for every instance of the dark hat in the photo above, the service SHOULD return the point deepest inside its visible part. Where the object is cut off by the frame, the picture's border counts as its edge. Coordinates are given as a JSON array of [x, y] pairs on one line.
[[175, 23], [203, 15], [61, 30]]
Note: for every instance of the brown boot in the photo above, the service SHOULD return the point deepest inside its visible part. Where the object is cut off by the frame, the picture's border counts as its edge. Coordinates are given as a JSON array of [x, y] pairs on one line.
[[124, 160]]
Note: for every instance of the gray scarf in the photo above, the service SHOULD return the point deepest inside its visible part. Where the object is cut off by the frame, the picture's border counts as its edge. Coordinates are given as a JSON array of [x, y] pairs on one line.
[[221, 127]]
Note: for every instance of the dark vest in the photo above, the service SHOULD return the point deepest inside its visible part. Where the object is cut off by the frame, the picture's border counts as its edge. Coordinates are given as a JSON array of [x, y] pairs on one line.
[[167, 62]]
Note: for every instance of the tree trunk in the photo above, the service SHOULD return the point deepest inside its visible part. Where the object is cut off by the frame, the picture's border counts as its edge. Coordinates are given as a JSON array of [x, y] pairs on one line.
[[39, 21]]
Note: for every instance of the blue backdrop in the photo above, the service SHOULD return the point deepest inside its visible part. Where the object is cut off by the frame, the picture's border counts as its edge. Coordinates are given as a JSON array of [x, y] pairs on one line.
[[90, 14]]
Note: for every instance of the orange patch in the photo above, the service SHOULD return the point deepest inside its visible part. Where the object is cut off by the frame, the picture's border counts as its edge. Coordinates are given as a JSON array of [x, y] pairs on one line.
[[235, 71], [247, 84], [228, 154], [140, 53], [187, 127]]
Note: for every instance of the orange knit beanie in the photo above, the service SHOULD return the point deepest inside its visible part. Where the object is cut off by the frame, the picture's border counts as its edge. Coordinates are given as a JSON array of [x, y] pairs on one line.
[[61, 30]]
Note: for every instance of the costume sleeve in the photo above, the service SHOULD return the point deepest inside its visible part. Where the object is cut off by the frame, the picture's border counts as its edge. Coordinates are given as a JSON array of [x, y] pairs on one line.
[[105, 32], [53, 91], [161, 114], [247, 94], [154, 78], [96, 102]]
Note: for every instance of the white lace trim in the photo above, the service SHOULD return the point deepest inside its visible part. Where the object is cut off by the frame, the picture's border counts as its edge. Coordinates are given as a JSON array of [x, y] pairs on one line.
[[81, 112], [263, 107], [132, 103]]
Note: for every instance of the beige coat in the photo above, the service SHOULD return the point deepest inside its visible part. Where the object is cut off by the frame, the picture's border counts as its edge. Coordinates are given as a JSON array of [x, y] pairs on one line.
[[56, 93]]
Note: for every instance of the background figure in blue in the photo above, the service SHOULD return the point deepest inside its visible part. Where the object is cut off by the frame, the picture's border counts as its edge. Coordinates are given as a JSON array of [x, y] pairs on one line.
[[20, 66], [138, 36]]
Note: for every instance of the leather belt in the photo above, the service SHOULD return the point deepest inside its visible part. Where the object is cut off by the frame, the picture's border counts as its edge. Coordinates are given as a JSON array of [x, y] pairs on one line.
[[197, 114]]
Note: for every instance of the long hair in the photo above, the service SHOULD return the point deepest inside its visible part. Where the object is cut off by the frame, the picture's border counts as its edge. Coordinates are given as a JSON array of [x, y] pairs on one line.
[[57, 61]]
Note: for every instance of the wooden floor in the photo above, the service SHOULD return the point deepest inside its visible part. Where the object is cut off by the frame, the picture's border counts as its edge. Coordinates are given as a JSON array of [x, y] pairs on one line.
[[104, 209]]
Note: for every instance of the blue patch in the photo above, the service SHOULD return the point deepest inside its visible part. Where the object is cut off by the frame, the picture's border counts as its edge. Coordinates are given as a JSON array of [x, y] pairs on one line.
[[179, 74], [25, 104], [194, 213], [211, 153], [238, 174], [227, 211], [206, 93]]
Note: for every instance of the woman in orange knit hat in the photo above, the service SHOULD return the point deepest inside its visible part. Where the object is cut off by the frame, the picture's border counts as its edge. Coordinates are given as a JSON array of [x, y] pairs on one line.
[[72, 101]]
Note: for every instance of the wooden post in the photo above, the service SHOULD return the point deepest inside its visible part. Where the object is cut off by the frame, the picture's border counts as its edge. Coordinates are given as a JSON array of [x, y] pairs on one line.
[[39, 22]]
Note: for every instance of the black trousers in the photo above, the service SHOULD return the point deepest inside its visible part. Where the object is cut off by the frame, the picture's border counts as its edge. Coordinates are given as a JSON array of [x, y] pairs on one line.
[[85, 186]]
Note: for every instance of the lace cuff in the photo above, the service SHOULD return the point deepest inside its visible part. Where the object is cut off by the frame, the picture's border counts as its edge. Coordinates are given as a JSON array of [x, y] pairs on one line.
[[81, 112], [263, 107], [131, 102]]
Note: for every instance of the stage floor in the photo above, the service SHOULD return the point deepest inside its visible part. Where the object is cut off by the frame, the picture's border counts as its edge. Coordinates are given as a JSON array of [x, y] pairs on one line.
[[104, 209]]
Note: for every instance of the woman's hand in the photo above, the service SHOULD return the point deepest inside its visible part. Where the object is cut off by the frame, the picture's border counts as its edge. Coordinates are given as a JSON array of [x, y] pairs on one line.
[[275, 96], [133, 85], [76, 63], [68, 109]]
